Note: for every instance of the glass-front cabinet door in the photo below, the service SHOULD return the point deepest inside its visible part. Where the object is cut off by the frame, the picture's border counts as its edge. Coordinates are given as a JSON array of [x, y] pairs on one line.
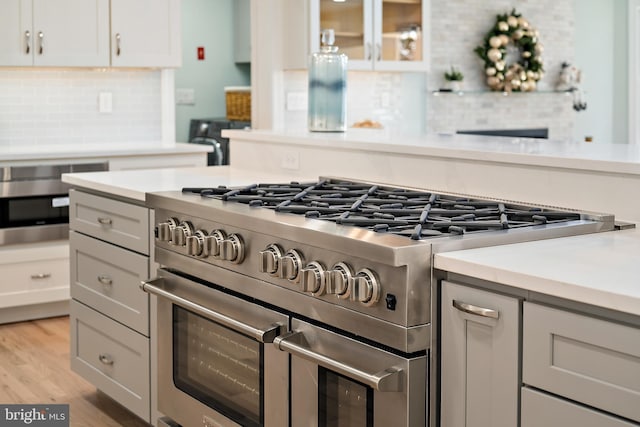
[[375, 34]]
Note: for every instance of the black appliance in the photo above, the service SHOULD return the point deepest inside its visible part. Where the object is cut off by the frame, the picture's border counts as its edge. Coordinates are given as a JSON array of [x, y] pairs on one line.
[[541, 133], [34, 202], [209, 132]]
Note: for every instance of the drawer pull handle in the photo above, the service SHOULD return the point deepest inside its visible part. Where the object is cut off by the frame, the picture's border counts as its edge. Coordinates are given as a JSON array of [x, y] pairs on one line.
[[105, 221], [105, 359], [27, 38], [475, 310], [40, 276], [105, 280]]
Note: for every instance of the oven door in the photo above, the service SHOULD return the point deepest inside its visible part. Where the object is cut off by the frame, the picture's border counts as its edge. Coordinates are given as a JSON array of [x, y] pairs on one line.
[[337, 381], [216, 363]]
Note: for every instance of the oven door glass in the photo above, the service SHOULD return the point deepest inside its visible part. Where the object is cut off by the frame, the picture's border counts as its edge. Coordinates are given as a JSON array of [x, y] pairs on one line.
[[343, 402], [218, 366]]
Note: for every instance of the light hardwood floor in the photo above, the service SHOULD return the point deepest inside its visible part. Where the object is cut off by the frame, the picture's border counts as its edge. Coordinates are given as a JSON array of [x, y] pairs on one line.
[[34, 368]]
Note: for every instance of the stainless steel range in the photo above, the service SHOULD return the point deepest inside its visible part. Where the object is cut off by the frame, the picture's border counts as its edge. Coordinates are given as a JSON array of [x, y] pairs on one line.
[[335, 274]]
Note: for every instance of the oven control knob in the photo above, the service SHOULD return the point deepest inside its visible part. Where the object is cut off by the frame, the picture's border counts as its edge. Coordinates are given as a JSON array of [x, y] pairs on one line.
[[195, 244], [365, 287], [290, 266], [313, 278], [213, 243], [337, 280], [270, 259], [165, 229], [232, 249], [181, 232]]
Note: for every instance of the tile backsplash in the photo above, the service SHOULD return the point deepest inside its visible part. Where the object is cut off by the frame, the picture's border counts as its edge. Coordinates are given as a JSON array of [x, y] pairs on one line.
[[60, 106]]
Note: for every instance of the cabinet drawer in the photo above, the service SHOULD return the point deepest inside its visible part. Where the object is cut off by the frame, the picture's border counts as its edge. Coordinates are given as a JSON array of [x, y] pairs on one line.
[[582, 358], [34, 274], [112, 357], [541, 410], [110, 220], [107, 278]]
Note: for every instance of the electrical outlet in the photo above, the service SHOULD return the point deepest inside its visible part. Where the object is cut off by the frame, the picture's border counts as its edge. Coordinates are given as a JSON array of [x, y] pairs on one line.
[[185, 96], [291, 160], [296, 101], [105, 102]]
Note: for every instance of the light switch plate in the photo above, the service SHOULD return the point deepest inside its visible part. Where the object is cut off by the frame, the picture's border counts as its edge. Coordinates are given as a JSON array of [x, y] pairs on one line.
[[185, 96], [296, 101], [105, 102]]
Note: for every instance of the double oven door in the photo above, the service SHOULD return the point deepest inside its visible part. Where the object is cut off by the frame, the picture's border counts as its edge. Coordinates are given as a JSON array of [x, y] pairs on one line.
[[337, 381], [224, 360], [217, 365]]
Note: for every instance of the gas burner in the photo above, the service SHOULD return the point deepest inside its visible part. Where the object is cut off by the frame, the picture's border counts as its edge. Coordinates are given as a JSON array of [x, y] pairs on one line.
[[411, 213]]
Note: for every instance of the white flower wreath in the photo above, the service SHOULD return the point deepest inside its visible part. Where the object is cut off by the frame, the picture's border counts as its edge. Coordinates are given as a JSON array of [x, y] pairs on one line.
[[521, 75]]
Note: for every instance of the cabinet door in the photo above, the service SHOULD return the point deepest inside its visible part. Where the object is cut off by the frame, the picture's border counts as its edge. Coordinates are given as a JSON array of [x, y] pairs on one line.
[[352, 23], [242, 31], [401, 35], [145, 33], [16, 47], [479, 358], [71, 33]]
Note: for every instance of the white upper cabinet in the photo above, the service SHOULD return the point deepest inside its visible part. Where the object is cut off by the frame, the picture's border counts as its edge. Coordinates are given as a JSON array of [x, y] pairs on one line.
[[385, 35], [54, 33], [146, 33]]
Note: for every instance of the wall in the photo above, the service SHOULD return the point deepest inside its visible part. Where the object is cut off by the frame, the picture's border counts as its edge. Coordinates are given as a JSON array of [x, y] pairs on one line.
[[209, 24], [60, 106], [458, 26], [396, 100], [601, 51]]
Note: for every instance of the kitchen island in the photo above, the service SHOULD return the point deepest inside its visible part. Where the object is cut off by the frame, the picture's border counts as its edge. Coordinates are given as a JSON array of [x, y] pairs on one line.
[[576, 175], [591, 274]]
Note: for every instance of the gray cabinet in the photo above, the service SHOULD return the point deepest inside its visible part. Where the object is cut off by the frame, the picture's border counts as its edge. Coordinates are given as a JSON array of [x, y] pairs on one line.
[[111, 336], [479, 358], [542, 410], [589, 360]]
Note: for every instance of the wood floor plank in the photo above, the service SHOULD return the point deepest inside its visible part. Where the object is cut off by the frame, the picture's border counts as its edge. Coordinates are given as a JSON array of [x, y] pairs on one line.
[[35, 369]]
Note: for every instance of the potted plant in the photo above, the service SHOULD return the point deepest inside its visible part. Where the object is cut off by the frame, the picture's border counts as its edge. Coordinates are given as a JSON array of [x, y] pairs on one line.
[[454, 78]]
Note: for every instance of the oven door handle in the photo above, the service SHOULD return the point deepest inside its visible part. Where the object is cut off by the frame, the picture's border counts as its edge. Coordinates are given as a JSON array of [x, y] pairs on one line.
[[266, 335], [389, 379]]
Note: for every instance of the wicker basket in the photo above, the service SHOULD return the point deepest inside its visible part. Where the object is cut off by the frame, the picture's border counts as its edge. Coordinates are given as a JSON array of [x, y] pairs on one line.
[[238, 102]]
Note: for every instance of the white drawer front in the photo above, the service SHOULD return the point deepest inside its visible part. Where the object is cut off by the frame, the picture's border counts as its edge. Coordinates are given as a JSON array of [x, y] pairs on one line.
[[541, 410], [107, 278], [34, 274], [112, 357], [582, 358], [116, 222]]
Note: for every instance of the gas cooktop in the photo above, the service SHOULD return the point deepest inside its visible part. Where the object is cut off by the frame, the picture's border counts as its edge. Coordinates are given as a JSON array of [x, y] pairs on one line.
[[412, 213]]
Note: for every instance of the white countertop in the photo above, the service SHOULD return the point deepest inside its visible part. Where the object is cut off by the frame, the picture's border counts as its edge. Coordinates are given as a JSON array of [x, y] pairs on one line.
[[601, 269], [73, 151], [134, 184], [616, 158]]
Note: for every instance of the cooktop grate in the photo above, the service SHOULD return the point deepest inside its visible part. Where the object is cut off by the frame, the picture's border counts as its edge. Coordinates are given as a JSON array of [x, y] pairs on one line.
[[407, 212]]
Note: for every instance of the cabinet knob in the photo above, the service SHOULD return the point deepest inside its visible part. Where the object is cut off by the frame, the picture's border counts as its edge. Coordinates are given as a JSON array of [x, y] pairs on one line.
[[41, 276]]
